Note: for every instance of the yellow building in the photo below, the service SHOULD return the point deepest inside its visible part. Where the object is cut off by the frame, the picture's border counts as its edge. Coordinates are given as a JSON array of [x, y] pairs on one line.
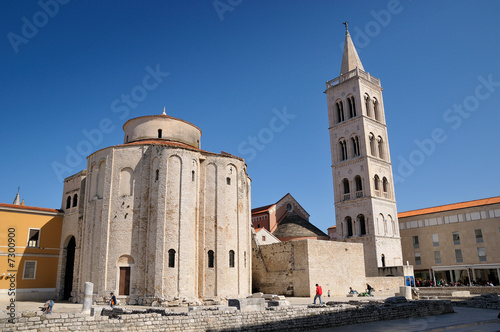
[[458, 243], [33, 235]]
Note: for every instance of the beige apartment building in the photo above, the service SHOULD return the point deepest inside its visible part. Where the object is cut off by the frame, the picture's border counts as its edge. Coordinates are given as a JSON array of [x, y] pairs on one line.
[[456, 242]]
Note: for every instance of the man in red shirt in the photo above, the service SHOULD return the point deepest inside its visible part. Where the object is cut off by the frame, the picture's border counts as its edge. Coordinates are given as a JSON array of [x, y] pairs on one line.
[[319, 292]]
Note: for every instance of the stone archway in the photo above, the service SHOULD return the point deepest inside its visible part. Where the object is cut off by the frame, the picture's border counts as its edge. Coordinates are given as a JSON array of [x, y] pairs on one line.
[[69, 268]]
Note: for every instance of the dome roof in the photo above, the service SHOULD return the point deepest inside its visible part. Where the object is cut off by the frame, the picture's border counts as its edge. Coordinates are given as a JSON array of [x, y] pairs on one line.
[[161, 127], [294, 226]]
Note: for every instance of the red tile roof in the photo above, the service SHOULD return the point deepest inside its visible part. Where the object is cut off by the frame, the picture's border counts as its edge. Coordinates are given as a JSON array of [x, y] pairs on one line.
[[24, 207], [262, 208], [448, 207]]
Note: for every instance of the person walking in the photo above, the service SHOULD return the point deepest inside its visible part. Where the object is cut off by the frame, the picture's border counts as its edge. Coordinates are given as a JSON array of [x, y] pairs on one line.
[[112, 301], [369, 289], [319, 292]]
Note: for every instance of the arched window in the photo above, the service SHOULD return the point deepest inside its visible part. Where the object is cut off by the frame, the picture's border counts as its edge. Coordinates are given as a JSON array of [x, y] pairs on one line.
[[343, 149], [171, 258], [210, 258], [368, 106], [380, 142], [160, 132], [385, 187], [352, 106], [381, 224], [383, 260], [345, 184], [192, 176], [359, 186], [231, 258], [376, 110], [100, 179], [68, 202], [126, 181], [372, 144], [362, 225], [93, 181], [75, 200], [393, 225], [348, 222], [376, 182], [228, 180], [340, 111], [355, 145], [157, 176]]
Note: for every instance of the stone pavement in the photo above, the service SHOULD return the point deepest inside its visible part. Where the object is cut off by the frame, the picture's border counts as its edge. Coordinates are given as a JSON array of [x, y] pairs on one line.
[[464, 319], [67, 307]]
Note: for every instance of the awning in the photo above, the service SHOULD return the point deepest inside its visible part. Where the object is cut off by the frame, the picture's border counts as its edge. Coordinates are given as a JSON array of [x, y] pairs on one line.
[[467, 266]]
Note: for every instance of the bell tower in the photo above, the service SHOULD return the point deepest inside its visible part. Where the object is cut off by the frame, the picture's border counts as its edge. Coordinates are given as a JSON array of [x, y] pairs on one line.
[[365, 205]]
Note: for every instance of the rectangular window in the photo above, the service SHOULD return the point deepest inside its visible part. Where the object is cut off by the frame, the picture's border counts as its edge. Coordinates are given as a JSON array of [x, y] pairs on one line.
[[416, 245], [435, 240], [33, 238], [458, 255], [418, 261], [481, 252], [29, 270], [479, 235], [263, 238], [437, 257], [456, 238]]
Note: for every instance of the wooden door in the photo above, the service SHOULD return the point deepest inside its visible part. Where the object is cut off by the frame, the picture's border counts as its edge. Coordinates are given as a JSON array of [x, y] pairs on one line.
[[124, 281]]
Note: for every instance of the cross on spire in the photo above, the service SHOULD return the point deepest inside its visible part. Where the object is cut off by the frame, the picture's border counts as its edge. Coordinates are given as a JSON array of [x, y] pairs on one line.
[[346, 28]]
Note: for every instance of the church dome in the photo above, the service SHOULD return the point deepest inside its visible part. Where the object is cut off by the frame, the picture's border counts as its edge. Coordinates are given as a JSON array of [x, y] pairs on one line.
[[161, 127]]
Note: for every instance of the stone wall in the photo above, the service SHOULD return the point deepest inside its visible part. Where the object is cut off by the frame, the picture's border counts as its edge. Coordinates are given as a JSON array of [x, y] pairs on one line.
[[225, 320], [293, 268], [446, 291], [385, 285]]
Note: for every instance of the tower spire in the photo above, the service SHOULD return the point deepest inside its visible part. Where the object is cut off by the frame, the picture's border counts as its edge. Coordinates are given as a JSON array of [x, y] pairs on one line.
[[350, 58], [17, 200]]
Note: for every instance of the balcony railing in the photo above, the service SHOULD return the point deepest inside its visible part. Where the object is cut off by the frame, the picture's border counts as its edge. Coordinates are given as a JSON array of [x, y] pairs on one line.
[[353, 73], [347, 197], [377, 193], [386, 194], [359, 193]]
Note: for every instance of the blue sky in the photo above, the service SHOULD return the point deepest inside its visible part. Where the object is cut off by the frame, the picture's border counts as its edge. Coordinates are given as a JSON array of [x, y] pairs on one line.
[[230, 67]]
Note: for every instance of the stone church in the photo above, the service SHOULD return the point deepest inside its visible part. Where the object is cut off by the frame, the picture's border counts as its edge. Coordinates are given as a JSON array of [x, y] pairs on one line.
[[157, 218]]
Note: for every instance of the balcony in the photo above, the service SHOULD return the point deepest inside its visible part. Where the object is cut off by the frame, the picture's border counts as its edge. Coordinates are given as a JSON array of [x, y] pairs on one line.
[[353, 73], [359, 193], [347, 197]]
